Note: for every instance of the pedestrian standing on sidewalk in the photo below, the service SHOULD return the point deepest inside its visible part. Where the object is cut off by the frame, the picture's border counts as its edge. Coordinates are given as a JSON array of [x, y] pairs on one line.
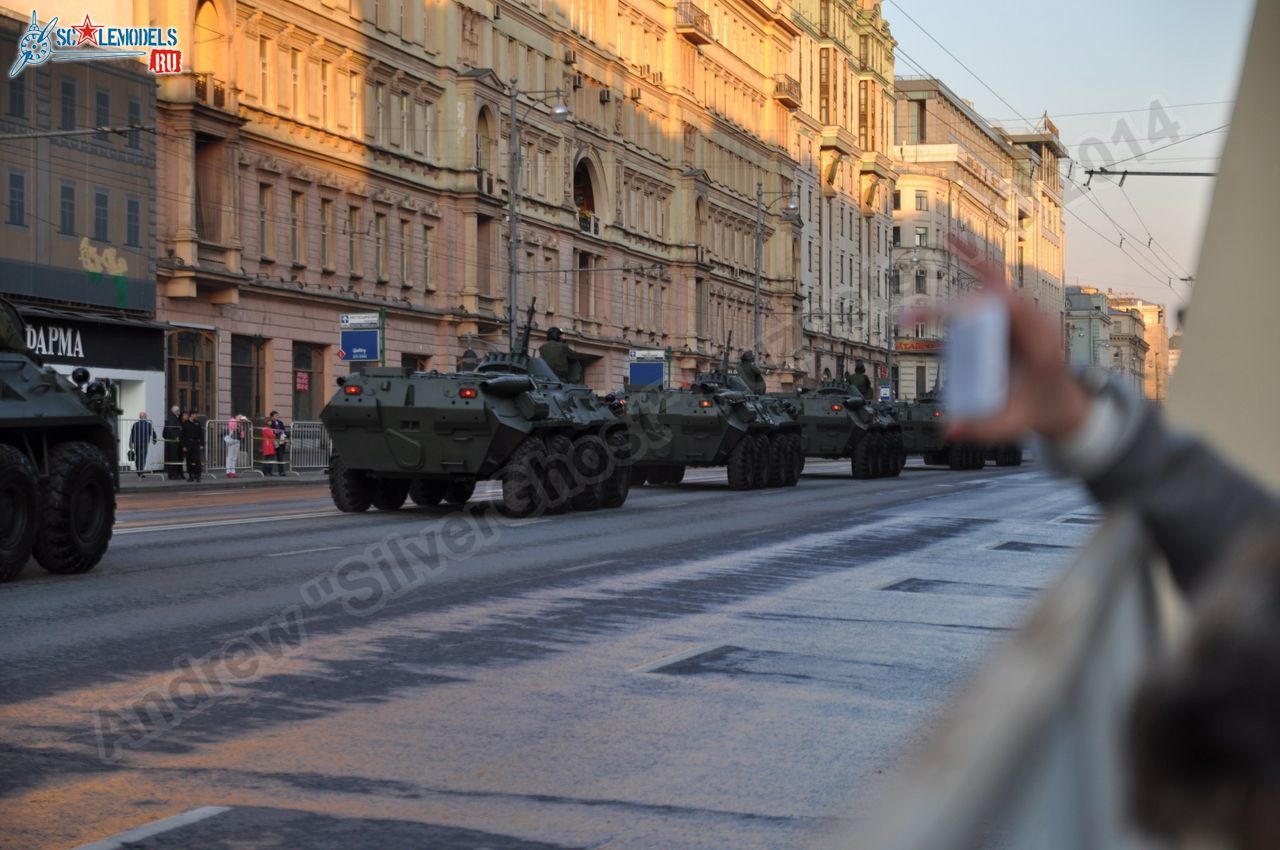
[[282, 442], [193, 446], [268, 449], [142, 436], [235, 431], [173, 443]]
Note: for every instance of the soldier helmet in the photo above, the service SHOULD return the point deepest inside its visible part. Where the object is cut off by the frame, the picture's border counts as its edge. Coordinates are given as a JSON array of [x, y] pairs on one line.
[[554, 334], [748, 357], [860, 368]]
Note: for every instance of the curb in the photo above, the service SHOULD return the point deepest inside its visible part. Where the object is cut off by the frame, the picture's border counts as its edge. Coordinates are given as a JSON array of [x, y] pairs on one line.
[[159, 484], [121, 840]]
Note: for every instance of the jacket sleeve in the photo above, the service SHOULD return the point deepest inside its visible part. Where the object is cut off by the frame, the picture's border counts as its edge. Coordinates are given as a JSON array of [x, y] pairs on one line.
[[1194, 503]]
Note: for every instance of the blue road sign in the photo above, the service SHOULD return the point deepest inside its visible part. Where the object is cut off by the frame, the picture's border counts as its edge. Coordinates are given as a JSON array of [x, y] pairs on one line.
[[360, 345], [647, 374]]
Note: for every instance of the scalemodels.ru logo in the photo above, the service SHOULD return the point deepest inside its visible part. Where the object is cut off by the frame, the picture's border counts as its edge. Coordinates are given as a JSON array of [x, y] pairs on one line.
[[89, 42]]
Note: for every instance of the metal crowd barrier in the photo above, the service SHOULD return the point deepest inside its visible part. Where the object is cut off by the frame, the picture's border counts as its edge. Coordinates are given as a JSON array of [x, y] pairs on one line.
[[1030, 755], [152, 453], [309, 446], [216, 447]]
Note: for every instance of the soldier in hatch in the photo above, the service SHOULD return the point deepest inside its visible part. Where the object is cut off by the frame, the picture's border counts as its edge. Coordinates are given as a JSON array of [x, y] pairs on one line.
[[861, 382], [750, 372], [557, 354]]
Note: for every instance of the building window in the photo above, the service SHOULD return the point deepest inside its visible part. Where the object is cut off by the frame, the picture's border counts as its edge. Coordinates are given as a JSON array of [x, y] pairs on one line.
[[326, 234], [380, 247], [405, 274], [897, 199], [915, 122], [265, 212], [102, 113], [248, 376], [380, 113], [67, 105], [264, 71], [100, 212], [295, 83], [191, 368], [17, 198], [297, 224], [133, 223], [353, 104], [67, 209], [426, 259], [895, 282], [308, 373], [897, 237], [922, 237], [134, 139], [922, 285], [18, 98], [326, 84], [354, 259], [427, 110], [922, 200], [405, 127]]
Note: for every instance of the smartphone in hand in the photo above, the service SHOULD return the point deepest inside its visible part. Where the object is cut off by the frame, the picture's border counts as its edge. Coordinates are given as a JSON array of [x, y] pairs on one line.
[[976, 360]]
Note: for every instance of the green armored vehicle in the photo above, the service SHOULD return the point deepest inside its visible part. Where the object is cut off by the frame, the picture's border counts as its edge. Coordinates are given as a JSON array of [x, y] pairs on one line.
[[716, 421], [431, 436], [839, 423], [924, 433], [58, 461]]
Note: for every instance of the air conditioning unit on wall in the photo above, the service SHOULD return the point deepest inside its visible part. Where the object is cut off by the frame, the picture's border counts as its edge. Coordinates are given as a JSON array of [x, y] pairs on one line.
[[578, 81], [635, 92], [606, 95], [570, 56]]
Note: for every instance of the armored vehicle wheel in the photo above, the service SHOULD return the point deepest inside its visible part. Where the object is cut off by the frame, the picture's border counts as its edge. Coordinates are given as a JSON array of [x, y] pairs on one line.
[[898, 454], [427, 492], [978, 457], [351, 489], [79, 507], [879, 455], [617, 485], [1008, 455], [958, 457], [742, 464], [561, 483], [389, 493], [590, 463], [19, 509], [780, 462], [934, 459], [795, 460], [523, 486], [639, 475], [677, 475], [862, 458], [764, 462], [459, 492]]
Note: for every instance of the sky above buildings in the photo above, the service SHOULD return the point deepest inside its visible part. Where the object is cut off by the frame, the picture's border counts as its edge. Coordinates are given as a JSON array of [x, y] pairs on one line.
[[1096, 67]]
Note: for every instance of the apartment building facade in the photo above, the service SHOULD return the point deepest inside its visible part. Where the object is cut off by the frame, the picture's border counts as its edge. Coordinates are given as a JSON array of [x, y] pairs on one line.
[[1156, 334]]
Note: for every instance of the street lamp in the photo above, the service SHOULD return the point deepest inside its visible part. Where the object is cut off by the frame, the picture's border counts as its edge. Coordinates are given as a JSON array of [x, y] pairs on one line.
[[559, 114], [788, 211]]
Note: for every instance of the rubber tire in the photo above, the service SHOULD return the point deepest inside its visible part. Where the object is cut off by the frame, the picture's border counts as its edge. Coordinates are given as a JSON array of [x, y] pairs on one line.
[[459, 492], [879, 454], [560, 480], [978, 458], [742, 464], [764, 462], [639, 475], [779, 460], [933, 459], [796, 460], [427, 492], [958, 457], [389, 493], [523, 486], [63, 543], [677, 474], [893, 454], [615, 488], [590, 459], [861, 463], [351, 489], [19, 511]]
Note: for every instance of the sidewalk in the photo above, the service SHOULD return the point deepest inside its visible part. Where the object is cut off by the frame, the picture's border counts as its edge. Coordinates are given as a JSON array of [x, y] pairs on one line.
[[131, 483]]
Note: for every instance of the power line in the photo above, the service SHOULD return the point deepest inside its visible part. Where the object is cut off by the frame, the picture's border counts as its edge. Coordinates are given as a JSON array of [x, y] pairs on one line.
[[1171, 144], [1130, 111]]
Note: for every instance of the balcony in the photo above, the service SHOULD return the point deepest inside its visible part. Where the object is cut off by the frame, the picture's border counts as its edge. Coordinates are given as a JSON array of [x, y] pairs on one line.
[[485, 183], [840, 140], [211, 91], [693, 23], [588, 222], [786, 90]]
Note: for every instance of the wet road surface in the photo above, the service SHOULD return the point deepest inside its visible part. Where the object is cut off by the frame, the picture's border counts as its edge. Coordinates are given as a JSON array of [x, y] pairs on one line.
[[699, 669]]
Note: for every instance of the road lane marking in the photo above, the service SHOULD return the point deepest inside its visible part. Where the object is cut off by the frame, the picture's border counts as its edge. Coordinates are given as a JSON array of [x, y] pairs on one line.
[[754, 533], [670, 505], [186, 526], [525, 522], [588, 566], [302, 551], [123, 839]]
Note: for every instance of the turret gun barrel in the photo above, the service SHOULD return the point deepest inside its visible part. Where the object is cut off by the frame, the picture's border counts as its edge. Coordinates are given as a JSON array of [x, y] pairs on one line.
[[528, 327]]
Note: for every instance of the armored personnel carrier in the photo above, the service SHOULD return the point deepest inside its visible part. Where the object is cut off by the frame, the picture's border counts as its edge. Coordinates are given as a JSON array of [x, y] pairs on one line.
[[839, 423], [58, 460], [716, 421], [924, 432], [430, 436]]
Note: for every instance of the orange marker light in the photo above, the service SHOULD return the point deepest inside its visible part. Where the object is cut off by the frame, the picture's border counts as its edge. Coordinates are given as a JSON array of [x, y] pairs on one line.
[[351, 389], [467, 392], [937, 413], [706, 402], [837, 408]]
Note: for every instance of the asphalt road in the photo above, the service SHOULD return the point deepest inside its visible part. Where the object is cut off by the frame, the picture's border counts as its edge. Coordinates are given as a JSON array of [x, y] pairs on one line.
[[699, 669]]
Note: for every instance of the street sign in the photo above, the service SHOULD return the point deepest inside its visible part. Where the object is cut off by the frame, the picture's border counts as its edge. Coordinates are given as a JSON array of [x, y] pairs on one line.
[[648, 367], [362, 345], [358, 320], [884, 393]]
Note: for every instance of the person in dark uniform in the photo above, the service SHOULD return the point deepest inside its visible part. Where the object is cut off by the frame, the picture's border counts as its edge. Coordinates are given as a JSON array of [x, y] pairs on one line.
[[750, 372], [556, 353], [861, 382], [141, 437], [192, 437], [172, 435]]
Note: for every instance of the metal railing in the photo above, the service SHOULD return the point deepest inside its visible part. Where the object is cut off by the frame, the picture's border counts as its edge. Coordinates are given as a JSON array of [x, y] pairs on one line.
[[309, 446], [786, 88], [692, 20], [1030, 755], [216, 448], [151, 451]]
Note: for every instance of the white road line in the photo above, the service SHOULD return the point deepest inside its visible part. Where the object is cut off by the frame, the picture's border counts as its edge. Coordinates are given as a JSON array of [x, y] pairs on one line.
[[671, 504], [302, 551], [216, 523], [123, 839], [754, 533], [673, 658], [588, 566], [525, 522]]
